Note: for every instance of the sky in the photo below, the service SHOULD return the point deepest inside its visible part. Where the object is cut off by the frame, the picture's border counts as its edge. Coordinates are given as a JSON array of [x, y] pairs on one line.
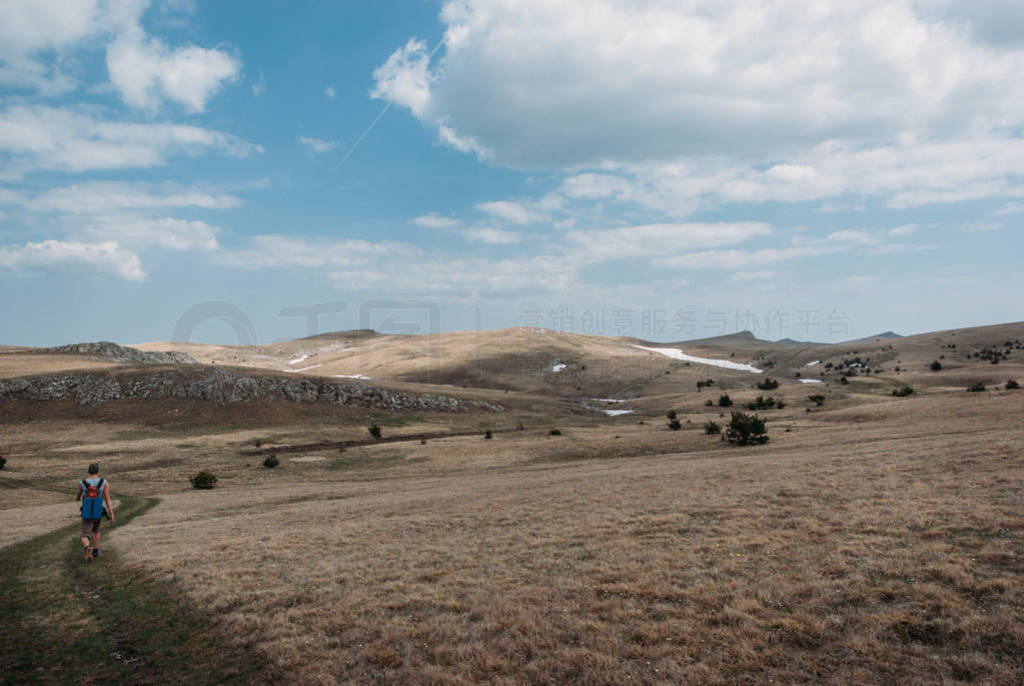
[[243, 172]]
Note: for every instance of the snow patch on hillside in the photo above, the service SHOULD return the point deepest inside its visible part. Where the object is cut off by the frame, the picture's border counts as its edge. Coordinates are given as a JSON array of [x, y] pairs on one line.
[[677, 354]]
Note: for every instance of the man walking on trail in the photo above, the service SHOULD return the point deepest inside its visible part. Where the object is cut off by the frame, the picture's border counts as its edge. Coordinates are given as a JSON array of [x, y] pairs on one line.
[[94, 492]]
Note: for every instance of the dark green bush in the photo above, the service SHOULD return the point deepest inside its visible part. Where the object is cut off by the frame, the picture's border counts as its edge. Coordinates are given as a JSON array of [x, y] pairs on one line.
[[712, 428], [709, 403], [976, 387], [3, 461], [724, 400], [271, 461], [746, 429], [936, 366], [555, 432], [768, 384], [843, 381], [203, 480], [488, 434], [374, 430], [675, 425], [903, 392], [1010, 386], [764, 403], [671, 414], [817, 399]]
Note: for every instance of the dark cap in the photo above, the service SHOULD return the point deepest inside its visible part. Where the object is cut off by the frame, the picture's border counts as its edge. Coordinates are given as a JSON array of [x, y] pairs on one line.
[[94, 468]]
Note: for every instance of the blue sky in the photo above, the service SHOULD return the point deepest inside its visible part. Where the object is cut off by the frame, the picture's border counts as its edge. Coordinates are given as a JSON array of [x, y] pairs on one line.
[[667, 170]]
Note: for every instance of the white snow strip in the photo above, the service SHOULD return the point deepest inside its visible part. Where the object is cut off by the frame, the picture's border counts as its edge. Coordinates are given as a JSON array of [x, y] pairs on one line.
[[616, 413], [297, 371], [298, 359], [677, 354], [811, 364], [810, 380], [350, 376], [609, 400], [558, 367]]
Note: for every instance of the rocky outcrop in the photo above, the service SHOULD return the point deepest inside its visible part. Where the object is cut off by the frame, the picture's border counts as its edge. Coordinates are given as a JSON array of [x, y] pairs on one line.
[[121, 353], [225, 386]]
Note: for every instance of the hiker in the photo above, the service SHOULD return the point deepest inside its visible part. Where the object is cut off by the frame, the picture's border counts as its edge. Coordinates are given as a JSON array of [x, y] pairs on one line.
[[94, 492]]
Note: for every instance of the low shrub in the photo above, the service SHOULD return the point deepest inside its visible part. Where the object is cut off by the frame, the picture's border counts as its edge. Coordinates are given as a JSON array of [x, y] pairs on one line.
[[3, 461], [903, 392], [746, 429], [271, 461], [488, 434], [675, 425], [724, 400], [709, 403], [203, 479], [764, 403], [671, 414], [374, 430], [711, 428], [843, 381], [817, 399], [554, 432], [1011, 385], [976, 387], [768, 384], [936, 366]]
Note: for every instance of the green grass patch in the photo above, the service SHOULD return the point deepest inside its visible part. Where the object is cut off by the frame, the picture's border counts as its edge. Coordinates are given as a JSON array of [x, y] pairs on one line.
[[66, 621], [355, 460]]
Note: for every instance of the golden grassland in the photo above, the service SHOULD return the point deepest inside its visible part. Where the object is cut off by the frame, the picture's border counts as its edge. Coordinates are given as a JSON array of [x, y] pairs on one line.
[[872, 540]]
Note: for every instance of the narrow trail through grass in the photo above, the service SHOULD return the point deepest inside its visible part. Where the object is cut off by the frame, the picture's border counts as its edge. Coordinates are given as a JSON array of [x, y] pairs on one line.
[[66, 621]]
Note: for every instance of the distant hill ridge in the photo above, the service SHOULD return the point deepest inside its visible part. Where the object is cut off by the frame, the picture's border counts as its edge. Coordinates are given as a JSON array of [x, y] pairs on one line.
[[121, 353]]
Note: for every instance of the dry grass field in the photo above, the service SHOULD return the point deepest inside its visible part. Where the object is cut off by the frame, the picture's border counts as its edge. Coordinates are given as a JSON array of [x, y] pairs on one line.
[[873, 539]]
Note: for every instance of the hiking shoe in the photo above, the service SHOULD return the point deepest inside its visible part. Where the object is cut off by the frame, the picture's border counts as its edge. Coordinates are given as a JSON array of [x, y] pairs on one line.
[[88, 553], [95, 552]]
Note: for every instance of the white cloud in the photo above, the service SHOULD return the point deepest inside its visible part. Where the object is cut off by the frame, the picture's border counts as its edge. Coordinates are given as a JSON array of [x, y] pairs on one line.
[[1010, 208], [762, 275], [164, 232], [490, 235], [329, 92], [509, 211], [432, 220], [903, 230], [985, 226], [743, 260], [60, 139], [145, 71], [106, 257], [659, 239], [852, 236], [316, 144], [104, 196], [274, 250], [658, 80], [260, 87], [405, 78], [680, 106]]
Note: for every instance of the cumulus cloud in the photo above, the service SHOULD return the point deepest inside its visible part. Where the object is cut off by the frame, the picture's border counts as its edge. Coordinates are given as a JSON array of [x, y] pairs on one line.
[[329, 92], [510, 211], [911, 100], [432, 220], [61, 139], [146, 71], [164, 232], [104, 196], [660, 239], [105, 257], [316, 144], [491, 235]]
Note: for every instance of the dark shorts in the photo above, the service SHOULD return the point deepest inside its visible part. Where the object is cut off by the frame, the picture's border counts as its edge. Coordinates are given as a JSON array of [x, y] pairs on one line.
[[90, 526]]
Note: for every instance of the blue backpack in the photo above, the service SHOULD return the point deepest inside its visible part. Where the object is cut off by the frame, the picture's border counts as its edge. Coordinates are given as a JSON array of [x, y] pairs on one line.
[[92, 499]]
